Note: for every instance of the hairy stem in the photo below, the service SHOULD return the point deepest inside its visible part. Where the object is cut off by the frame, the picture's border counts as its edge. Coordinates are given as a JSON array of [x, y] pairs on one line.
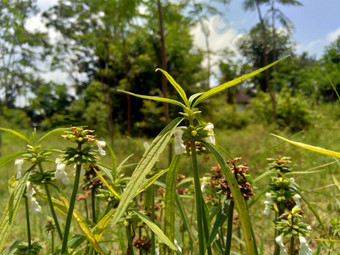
[[198, 194], [70, 210], [28, 222]]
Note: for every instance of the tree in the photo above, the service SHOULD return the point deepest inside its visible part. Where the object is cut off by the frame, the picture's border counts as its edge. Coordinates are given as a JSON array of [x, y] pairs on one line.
[[18, 49], [252, 44]]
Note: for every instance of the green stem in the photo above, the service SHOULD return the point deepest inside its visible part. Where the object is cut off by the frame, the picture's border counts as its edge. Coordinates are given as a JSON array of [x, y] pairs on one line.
[[291, 252], [277, 248], [229, 227], [153, 241], [53, 211], [70, 210], [129, 237], [52, 240], [198, 194], [205, 225], [49, 199], [28, 222], [93, 199]]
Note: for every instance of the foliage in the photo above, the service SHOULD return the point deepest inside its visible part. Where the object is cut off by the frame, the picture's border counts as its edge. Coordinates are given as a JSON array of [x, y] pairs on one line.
[[292, 109]]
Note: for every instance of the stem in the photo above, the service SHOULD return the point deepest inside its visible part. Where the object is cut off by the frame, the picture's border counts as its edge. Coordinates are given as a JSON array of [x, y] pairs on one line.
[[198, 195], [53, 211], [230, 227], [28, 222], [52, 240], [70, 210], [291, 252], [49, 199], [205, 225], [86, 210], [93, 199], [277, 248], [129, 237], [153, 241]]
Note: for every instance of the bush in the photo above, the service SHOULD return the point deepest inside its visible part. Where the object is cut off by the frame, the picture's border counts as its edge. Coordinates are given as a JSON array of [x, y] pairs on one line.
[[292, 109], [15, 118]]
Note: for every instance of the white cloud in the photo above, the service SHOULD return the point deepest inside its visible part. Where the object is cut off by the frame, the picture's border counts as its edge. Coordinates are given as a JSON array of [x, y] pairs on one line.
[[332, 36], [221, 36]]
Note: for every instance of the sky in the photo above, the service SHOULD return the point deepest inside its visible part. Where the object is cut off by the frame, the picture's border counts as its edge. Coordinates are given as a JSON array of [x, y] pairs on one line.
[[316, 24]]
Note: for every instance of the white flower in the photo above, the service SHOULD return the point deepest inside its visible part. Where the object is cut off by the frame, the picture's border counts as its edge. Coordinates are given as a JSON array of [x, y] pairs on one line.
[[268, 203], [19, 163], [211, 136], [60, 172], [279, 241], [203, 183], [34, 203], [304, 249], [101, 145], [179, 146], [296, 198]]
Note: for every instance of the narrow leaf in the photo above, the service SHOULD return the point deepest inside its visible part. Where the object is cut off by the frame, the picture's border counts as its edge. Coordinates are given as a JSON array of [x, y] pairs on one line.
[[170, 191], [337, 183], [120, 167], [8, 158], [52, 132], [220, 219], [99, 229], [150, 181], [154, 228], [184, 217], [12, 207], [240, 203], [311, 148], [229, 84], [114, 162], [193, 97], [13, 132], [179, 89], [107, 185], [154, 98], [144, 166]]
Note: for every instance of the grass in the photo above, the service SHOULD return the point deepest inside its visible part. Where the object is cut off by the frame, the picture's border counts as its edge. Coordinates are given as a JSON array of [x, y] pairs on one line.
[[248, 143]]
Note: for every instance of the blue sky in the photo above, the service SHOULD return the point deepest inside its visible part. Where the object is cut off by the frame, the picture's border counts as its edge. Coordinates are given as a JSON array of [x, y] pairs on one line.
[[317, 23]]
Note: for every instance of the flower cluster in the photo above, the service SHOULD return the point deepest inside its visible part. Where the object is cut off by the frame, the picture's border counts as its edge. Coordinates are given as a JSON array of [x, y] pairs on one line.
[[183, 135], [290, 225]]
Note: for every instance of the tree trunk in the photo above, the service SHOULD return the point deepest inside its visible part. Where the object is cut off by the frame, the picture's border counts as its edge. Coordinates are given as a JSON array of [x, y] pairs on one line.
[[274, 67], [164, 67]]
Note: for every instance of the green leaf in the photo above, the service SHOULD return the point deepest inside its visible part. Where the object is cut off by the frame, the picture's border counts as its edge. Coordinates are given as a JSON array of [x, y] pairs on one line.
[[12, 207], [107, 185], [114, 162], [179, 89], [154, 228], [144, 166], [154, 98], [220, 219], [52, 132], [240, 203], [170, 191], [184, 217], [193, 97], [6, 159], [337, 183], [150, 181], [99, 229], [13, 132], [229, 84], [120, 167], [336, 92], [311, 148], [10, 250]]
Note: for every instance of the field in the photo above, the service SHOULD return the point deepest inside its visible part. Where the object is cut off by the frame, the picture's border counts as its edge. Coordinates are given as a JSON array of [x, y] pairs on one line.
[[316, 174]]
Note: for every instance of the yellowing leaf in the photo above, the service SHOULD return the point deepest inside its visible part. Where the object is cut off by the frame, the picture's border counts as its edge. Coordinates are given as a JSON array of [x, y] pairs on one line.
[[311, 148]]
